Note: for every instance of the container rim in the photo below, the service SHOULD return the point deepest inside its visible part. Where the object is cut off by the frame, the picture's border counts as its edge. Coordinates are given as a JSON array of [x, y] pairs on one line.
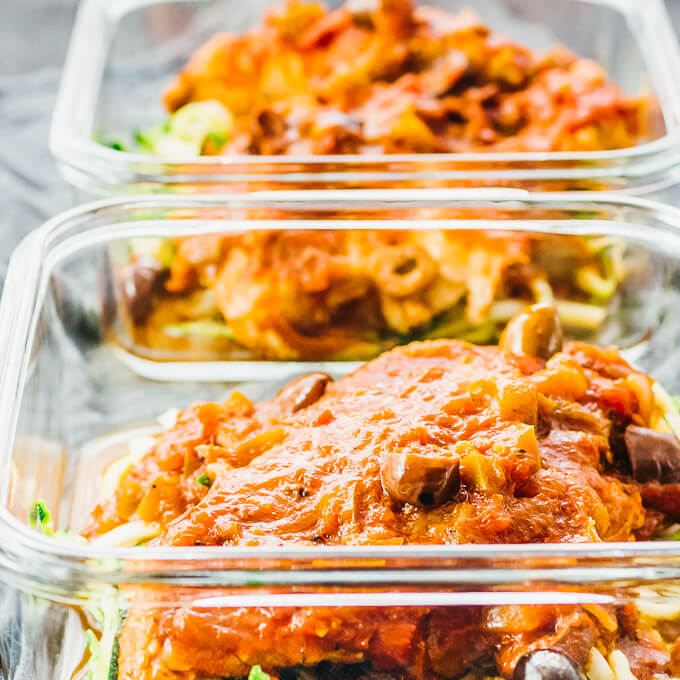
[[43, 562], [95, 167]]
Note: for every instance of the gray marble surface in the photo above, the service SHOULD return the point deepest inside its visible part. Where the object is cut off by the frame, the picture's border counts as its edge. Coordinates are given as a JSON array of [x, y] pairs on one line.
[[34, 36]]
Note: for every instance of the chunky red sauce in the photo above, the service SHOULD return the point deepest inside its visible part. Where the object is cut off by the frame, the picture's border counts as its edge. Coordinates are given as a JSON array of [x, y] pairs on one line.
[[532, 440], [386, 76], [535, 446]]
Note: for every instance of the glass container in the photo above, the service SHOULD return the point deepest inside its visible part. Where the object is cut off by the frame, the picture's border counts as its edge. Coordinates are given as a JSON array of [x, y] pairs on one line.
[[123, 54]]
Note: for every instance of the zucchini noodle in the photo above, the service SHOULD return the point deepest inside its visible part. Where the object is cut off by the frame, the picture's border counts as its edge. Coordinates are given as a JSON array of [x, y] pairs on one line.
[[580, 315], [128, 535], [590, 281]]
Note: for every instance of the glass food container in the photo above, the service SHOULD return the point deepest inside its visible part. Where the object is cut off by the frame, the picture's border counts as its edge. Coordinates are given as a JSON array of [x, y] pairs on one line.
[[124, 53], [246, 289], [72, 402]]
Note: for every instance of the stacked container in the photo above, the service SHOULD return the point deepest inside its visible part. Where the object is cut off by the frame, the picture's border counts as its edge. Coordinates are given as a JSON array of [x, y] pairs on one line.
[[91, 364], [121, 59]]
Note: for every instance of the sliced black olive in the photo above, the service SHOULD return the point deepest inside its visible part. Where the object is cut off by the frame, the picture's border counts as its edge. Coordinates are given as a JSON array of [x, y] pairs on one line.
[[547, 664], [140, 281], [654, 456], [271, 124], [303, 391], [536, 331], [419, 479]]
